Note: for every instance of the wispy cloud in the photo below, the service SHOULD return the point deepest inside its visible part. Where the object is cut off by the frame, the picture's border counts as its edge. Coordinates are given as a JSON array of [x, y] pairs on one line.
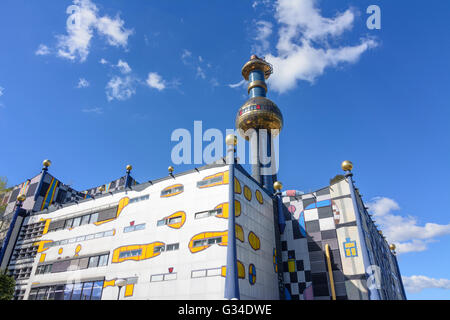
[[103, 61], [416, 284], [185, 55], [241, 83], [93, 110], [200, 73], [405, 232], [263, 32], [154, 80], [84, 19], [121, 88], [83, 83], [42, 50], [123, 67], [304, 47], [1, 91]]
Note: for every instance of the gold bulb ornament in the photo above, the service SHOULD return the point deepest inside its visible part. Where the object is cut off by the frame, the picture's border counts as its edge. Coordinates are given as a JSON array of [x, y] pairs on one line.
[[392, 247], [129, 167], [231, 140], [46, 163], [170, 169], [278, 185], [347, 165], [21, 197]]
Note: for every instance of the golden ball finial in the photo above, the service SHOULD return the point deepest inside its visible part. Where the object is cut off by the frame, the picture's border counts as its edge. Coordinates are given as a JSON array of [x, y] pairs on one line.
[[21, 197], [101, 189], [347, 165], [278, 185], [392, 247], [170, 169], [129, 167], [46, 163], [231, 140]]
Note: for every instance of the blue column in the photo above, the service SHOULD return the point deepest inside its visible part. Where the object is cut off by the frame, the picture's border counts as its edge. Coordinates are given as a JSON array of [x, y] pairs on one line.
[[267, 181], [373, 293], [10, 230], [257, 75], [231, 278]]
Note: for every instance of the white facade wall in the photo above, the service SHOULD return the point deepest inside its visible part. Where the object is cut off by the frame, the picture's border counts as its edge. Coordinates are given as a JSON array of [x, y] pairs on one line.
[[149, 211]]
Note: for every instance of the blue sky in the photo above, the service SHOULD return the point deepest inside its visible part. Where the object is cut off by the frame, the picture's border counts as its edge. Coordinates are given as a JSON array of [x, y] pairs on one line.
[[113, 93]]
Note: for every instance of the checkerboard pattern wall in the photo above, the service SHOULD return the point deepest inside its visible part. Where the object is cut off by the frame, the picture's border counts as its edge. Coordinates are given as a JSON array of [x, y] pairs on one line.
[[310, 225]]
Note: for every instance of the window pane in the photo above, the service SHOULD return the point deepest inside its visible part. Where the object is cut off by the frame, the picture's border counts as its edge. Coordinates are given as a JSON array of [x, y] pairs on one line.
[[93, 218], [89, 237], [161, 222], [68, 291], [76, 222], [87, 289], [59, 292], [99, 235], [76, 295], [93, 262], [51, 293], [140, 227], [33, 294], [175, 220], [103, 260], [85, 219], [68, 224], [41, 294], [97, 291]]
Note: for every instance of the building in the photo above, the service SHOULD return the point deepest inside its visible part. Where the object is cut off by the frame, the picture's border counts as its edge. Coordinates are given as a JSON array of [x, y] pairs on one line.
[[213, 232]]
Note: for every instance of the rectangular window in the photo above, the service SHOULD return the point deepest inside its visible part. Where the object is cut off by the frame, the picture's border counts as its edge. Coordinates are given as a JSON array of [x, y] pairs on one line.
[[81, 238], [139, 227], [157, 278], [170, 276], [85, 219], [68, 224], [214, 272], [97, 290], [76, 222], [161, 222], [41, 294], [98, 235], [59, 292], [131, 253], [173, 246], [174, 220], [209, 213], [87, 290], [198, 273], [68, 291], [158, 249], [93, 217], [215, 240], [89, 237], [76, 294], [93, 262], [199, 243], [103, 260]]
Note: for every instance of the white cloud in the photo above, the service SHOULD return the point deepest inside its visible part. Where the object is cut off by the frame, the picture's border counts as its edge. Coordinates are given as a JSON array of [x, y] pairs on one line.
[[83, 83], [416, 284], [93, 110], [43, 50], [185, 55], [121, 88], [405, 232], [154, 80], [263, 32], [82, 22], [103, 61], [200, 73], [241, 83], [123, 66], [303, 48], [1, 91]]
